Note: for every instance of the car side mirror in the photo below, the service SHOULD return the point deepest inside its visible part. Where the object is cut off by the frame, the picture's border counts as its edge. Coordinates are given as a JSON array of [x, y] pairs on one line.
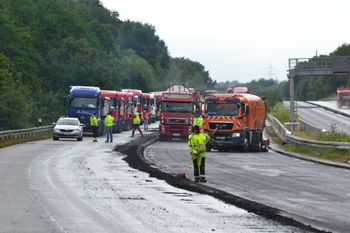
[[54, 124]]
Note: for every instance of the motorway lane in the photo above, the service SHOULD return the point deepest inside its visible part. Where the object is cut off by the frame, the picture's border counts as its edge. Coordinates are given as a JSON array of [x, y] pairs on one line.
[[322, 118], [313, 194], [70, 186]]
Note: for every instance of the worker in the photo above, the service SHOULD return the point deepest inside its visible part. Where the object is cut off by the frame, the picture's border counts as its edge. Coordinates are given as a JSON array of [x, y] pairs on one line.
[[145, 118], [196, 142], [94, 126], [199, 121], [109, 126], [136, 125]]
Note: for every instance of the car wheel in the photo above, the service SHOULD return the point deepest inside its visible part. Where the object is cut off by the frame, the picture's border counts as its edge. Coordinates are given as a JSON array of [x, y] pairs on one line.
[[55, 138]]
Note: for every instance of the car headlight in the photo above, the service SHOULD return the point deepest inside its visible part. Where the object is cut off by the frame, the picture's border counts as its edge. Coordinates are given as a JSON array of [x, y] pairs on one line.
[[77, 130], [236, 135]]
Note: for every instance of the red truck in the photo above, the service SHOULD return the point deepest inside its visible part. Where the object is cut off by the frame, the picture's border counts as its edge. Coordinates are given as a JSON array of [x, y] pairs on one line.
[[117, 110], [177, 112], [157, 100], [343, 97]]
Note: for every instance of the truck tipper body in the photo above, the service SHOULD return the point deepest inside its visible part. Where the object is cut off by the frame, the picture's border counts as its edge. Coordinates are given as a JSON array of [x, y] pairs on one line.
[[240, 119], [343, 97], [177, 113], [83, 102]]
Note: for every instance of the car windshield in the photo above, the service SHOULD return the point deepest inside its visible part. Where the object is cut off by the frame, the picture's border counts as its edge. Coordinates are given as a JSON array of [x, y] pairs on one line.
[[68, 122], [83, 103], [221, 109], [184, 107]]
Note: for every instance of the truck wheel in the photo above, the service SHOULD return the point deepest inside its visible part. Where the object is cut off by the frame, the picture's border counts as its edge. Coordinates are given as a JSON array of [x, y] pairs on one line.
[[120, 125], [245, 144], [258, 149], [127, 125]]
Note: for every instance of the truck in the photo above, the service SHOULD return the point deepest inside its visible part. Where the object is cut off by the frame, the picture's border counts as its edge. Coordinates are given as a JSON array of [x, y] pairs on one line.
[[208, 93], [117, 109], [343, 97], [240, 119], [131, 106], [177, 113], [157, 99], [83, 102], [196, 94], [152, 108]]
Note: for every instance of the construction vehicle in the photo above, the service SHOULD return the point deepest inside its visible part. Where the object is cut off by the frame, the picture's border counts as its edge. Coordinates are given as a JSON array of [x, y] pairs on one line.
[[83, 102], [343, 97], [157, 99], [117, 108], [196, 94], [239, 89], [131, 107], [208, 93], [240, 119], [177, 113], [152, 109]]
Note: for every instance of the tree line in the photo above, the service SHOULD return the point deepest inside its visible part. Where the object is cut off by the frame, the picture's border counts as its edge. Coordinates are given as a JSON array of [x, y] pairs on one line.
[[46, 46]]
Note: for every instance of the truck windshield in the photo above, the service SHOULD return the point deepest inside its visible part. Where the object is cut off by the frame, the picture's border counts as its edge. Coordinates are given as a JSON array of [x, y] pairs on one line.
[[113, 103], [222, 109], [184, 107], [145, 102], [83, 103]]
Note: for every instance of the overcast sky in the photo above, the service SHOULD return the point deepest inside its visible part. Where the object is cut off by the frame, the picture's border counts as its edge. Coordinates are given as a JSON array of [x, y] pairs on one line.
[[243, 40]]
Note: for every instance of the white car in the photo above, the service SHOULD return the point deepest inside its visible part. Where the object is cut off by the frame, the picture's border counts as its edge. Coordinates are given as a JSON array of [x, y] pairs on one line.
[[67, 127]]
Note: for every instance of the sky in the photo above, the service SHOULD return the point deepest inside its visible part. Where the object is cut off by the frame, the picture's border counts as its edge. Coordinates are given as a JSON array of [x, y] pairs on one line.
[[243, 40]]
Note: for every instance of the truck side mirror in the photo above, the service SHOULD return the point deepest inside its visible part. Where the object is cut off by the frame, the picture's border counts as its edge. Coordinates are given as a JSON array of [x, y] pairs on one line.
[[119, 104], [102, 103]]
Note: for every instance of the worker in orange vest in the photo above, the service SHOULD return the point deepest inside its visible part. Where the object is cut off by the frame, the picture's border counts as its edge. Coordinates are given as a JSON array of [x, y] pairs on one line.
[[145, 118]]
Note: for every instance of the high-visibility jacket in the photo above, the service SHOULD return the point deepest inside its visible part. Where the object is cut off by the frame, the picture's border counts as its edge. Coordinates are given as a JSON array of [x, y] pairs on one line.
[[143, 116], [196, 142], [137, 120], [160, 109], [198, 121], [109, 121], [93, 121]]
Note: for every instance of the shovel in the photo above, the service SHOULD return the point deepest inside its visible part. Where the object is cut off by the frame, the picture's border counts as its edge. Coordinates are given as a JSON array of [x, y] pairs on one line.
[[183, 173]]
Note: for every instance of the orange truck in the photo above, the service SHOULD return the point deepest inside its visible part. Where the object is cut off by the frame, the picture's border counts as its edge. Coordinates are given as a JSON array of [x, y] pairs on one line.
[[240, 119]]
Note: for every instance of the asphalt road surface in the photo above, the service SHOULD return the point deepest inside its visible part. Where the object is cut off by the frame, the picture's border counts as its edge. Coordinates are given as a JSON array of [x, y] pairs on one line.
[[322, 118], [313, 194], [71, 186]]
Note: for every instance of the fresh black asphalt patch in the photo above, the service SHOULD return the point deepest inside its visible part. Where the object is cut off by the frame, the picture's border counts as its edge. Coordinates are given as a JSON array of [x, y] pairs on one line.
[[136, 160]]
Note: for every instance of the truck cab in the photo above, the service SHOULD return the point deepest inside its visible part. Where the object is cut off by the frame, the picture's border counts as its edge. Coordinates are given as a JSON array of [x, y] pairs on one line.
[[239, 119], [83, 102], [177, 113]]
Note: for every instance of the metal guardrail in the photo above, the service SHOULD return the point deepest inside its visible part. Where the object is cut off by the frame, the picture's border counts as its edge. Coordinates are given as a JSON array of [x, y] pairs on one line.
[[285, 134], [25, 133]]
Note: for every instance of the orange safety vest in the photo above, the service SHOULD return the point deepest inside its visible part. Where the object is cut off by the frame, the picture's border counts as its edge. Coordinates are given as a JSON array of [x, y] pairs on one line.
[[147, 116]]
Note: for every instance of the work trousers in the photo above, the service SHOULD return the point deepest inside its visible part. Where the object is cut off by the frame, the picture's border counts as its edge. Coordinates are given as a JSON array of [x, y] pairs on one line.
[[199, 167], [109, 133], [136, 126], [94, 131], [145, 126]]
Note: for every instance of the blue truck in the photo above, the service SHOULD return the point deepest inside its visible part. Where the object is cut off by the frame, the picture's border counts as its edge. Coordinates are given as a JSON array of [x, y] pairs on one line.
[[83, 102]]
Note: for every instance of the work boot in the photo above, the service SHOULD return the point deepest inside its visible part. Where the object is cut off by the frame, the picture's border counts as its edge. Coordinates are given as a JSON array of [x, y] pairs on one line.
[[196, 179], [111, 141], [106, 141], [203, 180]]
